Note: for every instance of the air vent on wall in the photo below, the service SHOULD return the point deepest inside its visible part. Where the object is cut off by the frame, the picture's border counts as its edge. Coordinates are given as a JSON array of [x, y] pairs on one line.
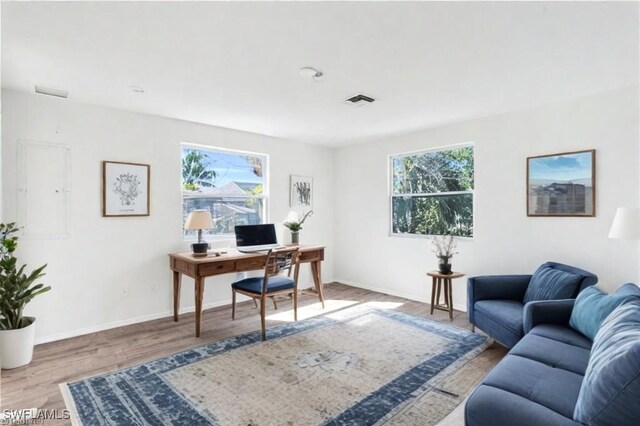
[[52, 92], [359, 100]]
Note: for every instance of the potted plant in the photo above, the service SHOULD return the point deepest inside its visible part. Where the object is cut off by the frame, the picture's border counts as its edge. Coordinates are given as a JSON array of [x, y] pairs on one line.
[[16, 290], [443, 246], [294, 224]]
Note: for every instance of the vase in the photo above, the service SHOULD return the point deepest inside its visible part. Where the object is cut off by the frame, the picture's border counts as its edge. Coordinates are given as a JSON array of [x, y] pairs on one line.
[[16, 346], [444, 267], [295, 238]]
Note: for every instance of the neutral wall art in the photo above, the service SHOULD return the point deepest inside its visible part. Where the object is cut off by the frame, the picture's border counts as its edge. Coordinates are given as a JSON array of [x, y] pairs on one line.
[[302, 191], [125, 189]]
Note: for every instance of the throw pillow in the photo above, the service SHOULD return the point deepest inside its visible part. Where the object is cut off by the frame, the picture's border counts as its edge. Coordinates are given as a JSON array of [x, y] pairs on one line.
[[611, 385], [593, 306], [550, 284]]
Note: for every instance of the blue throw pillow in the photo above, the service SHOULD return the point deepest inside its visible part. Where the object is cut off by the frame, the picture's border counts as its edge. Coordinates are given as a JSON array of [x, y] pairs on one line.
[[550, 284], [593, 306], [611, 385]]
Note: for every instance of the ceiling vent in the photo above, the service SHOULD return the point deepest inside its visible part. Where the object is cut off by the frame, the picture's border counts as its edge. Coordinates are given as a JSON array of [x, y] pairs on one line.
[[52, 92], [359, 100]]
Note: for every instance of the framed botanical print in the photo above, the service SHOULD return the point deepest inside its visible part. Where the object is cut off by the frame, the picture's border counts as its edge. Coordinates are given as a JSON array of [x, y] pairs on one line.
[[125, 189], [562, 184], [302, 192]]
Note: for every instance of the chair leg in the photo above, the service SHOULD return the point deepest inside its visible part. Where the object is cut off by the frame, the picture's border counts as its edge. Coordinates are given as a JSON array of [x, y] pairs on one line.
[[263, 315], [255, 304], [295, 305], [233, 304], [473, 328], [275, 305]]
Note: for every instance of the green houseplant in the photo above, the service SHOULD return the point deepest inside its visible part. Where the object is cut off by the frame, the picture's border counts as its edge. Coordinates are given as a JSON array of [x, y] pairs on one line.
[[294, 224], [17, 289]]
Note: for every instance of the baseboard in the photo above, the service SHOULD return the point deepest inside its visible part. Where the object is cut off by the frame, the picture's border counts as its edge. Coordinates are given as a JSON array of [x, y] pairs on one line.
[[128, 321], [410, 296]]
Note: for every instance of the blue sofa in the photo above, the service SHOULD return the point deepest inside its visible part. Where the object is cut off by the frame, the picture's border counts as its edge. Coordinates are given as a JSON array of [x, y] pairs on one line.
[[495, 303], [557, 376]]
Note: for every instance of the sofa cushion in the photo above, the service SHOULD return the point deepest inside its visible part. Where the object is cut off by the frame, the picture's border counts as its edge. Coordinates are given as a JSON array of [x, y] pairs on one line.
[[508, 312], [592, 307], [554, 388], [609, 392], [492, 406], [554, 353], [549, 283], [562, 334], [501, 319]]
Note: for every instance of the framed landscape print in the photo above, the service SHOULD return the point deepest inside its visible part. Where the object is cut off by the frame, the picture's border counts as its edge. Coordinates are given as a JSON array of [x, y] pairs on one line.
[[125, 189], [562, 184], [301, 191]]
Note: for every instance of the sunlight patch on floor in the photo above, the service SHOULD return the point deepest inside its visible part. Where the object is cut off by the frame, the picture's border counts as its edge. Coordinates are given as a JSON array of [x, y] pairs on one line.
[[313, 310], [364, 307]]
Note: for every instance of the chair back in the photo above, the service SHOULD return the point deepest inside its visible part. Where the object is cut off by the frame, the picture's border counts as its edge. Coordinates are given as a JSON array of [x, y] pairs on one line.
[[280, 260]]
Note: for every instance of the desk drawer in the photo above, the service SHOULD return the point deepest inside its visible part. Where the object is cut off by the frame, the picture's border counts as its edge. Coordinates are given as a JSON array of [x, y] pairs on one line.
[[216, 268], [249, 264], [312, 256]]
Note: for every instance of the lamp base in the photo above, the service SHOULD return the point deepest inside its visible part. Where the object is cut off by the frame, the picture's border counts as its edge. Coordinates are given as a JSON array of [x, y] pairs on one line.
[[200, 249]]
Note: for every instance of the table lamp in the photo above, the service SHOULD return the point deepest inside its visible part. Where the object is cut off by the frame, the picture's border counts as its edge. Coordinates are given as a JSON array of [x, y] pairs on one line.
[[199, 220], [626, 224]]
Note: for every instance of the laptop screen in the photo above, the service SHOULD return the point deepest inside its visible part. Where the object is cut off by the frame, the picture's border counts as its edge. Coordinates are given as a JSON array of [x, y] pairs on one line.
[[255, 235]]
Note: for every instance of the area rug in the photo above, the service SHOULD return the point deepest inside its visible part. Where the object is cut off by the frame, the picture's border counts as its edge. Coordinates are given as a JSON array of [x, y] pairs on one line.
[[354, 367]]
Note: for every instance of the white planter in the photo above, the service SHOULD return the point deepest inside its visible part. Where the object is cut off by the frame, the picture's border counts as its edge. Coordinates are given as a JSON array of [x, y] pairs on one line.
[[16, 346]]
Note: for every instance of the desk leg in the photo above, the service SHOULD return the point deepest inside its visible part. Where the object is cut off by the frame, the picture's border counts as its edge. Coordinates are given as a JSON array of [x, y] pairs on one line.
[[317, 279], [177, 278], [199, 290]]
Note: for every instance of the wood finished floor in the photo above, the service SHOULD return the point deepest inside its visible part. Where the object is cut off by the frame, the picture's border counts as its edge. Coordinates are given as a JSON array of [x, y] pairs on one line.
[[36, 385]]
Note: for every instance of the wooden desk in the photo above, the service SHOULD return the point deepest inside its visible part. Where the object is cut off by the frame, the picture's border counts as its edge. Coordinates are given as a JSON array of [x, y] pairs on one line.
[[438, 279], [199, 268]]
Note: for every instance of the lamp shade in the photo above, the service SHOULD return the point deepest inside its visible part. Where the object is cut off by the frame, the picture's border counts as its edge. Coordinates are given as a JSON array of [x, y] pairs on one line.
[[199, 219], [626, 224]]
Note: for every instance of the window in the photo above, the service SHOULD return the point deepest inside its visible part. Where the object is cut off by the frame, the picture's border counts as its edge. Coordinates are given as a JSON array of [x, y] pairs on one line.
[[230, 184], [432, 192]]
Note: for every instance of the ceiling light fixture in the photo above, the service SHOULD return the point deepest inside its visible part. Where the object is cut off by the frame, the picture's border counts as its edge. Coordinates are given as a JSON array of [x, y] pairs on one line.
[[310, 72], [136, 89]]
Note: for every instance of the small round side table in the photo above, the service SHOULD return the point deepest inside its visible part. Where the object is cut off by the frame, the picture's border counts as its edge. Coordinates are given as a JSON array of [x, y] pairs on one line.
[[438, 280]]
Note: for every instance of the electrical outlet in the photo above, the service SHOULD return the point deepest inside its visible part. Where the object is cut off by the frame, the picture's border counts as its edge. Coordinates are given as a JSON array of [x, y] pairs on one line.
[[124, 292], [155, 287]]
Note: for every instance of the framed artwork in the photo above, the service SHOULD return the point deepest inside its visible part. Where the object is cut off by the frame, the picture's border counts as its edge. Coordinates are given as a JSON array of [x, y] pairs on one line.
[[302, 191], [562, 184], [125, 189]]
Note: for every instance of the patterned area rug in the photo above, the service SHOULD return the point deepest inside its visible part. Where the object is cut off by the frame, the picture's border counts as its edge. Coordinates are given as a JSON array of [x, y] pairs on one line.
[[354, 367]]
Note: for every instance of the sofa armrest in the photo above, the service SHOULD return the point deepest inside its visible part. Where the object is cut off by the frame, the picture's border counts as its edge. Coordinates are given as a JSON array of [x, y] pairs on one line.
[[491, 287], [547, 312]]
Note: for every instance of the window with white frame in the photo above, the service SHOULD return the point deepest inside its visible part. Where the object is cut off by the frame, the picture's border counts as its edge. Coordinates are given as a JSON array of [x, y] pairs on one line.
[[232, 185], [432, 192]]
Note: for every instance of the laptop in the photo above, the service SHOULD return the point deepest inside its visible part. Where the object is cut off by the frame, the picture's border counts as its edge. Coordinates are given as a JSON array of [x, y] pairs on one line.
[[254, 238]]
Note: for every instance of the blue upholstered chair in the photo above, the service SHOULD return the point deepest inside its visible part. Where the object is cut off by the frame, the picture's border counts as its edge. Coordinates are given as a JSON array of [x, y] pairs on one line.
[[272, 284], [495, 303]]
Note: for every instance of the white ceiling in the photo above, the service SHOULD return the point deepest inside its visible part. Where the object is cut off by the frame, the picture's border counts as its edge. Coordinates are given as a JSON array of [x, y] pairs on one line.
[[236, 65]]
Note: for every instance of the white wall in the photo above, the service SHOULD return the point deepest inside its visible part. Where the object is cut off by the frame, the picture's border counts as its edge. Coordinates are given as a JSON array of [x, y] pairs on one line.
[[105, 255], [505, 239]]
